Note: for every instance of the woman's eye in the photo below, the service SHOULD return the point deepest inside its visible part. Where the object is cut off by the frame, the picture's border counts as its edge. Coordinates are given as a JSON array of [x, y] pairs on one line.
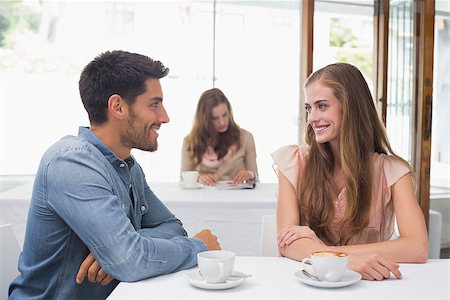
[[322, 106], [308, 109]]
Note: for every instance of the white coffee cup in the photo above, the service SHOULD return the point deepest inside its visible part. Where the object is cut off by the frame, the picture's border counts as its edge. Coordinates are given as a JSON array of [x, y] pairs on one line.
[[215, 265], [190, 177], [327, 265]]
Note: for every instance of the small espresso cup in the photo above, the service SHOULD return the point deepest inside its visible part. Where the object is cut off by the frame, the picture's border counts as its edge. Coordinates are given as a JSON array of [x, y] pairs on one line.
[[327, 265], [215, 265], [189, 177]]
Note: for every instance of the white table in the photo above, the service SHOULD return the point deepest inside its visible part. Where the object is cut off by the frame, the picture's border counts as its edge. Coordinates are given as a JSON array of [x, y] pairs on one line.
[[233, 215], [273, 278]]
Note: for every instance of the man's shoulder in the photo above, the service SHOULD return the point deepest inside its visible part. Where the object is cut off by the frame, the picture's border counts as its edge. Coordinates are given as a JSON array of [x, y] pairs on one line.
[[67, 145]]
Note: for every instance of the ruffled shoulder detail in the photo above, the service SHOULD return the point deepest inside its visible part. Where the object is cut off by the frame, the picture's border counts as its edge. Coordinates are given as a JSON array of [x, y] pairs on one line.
[[388, 170], [393, 169], [288, 160]]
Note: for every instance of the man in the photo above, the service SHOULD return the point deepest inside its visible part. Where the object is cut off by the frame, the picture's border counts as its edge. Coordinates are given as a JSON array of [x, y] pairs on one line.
[[92, 213]]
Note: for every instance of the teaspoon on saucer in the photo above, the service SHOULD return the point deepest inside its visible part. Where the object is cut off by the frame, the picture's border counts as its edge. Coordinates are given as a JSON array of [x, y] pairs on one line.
[[310, 275], [233, 275], [240, 275]]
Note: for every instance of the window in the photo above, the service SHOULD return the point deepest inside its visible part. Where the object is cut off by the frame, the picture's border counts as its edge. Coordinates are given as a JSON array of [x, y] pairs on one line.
[[249, 49]]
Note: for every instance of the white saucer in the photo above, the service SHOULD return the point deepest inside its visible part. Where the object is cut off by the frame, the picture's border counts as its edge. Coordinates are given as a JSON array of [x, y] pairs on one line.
[[197, 185], [349, 277], [197, 280]]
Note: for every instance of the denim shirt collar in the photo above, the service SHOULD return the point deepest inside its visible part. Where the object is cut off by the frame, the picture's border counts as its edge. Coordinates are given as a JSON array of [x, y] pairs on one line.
[[87, 134]]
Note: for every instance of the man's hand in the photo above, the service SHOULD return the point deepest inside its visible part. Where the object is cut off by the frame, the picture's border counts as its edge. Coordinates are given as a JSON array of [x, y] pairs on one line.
[[95, 273], [209, 239]]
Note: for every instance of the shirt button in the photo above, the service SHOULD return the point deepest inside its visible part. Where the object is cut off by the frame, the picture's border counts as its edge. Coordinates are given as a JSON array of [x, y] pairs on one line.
[[122, 165], [143, 207]]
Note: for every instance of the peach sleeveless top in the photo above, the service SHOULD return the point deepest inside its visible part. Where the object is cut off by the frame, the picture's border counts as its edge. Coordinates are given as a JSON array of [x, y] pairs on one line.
[[387, 171]]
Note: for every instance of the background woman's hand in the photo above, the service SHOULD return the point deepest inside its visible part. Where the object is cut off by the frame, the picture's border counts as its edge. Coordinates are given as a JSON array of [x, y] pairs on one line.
[[208, 179], [373, 266], [294, 232], [243, 175]]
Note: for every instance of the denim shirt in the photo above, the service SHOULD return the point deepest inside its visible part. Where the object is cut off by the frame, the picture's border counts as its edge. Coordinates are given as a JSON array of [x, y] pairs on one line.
[[85, 199]]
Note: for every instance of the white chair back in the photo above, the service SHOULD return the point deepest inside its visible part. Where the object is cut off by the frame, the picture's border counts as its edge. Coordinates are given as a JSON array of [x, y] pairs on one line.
[[269, 246], [9, 256], [434, 234]]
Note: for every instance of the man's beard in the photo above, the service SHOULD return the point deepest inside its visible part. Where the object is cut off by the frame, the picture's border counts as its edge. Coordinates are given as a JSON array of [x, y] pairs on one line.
[[138, 139]]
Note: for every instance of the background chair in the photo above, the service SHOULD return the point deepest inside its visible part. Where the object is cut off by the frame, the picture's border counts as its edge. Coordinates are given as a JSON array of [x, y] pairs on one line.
[[434, 234], [269, 245], [9, 255]]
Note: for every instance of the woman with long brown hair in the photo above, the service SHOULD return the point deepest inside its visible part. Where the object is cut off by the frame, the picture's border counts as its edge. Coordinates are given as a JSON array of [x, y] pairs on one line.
[[216, 146], [343, 190]]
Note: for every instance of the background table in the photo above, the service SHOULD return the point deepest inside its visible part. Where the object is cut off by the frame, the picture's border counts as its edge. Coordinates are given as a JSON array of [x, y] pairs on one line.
[[233, 215], [273, 278]]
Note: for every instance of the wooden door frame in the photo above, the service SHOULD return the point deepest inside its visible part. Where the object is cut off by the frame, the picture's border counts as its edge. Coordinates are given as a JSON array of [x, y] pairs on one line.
[[381, 33], [306, 59], [424, 57]]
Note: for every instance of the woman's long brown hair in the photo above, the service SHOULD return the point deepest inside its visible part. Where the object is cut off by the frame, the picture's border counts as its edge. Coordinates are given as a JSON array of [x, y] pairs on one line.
[[362, 133], [203, 129]]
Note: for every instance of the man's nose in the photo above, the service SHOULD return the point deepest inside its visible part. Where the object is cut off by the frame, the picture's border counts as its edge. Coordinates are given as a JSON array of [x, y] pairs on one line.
[[164, 117]]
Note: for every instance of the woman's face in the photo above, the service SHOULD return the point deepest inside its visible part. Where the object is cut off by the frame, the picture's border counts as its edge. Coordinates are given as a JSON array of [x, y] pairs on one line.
[[220, 117], [324, 113]]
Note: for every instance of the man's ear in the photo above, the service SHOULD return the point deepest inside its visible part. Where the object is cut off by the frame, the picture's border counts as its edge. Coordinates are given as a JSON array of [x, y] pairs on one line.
[[117, 107]]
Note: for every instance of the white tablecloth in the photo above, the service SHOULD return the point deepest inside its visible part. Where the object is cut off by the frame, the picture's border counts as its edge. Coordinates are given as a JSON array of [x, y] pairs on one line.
[[273, 278], [233, 215]]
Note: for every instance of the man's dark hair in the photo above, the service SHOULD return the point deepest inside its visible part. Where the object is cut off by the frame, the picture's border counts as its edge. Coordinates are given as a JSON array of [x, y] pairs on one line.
[[116, 72]]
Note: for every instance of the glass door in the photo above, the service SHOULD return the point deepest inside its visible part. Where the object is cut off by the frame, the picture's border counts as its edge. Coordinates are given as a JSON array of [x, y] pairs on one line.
[[400, 85], [440, 143]]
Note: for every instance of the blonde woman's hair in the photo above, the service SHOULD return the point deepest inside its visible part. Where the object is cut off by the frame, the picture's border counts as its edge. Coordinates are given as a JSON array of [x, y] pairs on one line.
[[362, 133]]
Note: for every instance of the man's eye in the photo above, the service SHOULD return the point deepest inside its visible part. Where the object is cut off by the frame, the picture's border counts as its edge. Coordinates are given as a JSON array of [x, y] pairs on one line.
[[154, 104]]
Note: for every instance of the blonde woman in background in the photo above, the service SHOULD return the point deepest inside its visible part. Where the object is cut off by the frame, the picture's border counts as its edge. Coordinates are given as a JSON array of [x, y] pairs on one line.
[[342, 191], [216, 146]]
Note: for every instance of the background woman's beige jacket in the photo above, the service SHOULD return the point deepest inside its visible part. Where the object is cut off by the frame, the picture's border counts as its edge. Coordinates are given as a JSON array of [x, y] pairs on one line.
[[243, 158]]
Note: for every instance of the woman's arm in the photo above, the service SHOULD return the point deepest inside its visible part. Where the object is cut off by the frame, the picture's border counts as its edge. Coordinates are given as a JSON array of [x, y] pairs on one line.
[[250, 156], [251, 171], [412, 245], [298, 242], [187, 159], [294, 241]]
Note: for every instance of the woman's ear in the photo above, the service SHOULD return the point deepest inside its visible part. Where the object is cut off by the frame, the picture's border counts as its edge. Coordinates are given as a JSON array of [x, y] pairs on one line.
[[117, 107]]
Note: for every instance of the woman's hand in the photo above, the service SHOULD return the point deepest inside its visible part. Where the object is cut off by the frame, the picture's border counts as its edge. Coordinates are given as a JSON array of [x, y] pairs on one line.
[[243, 176], [291, 233], [208, 179], [373, 266]]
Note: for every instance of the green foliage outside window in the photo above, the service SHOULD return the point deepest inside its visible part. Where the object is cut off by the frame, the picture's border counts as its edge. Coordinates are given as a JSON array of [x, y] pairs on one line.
[[345, 40], [16, 18]]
